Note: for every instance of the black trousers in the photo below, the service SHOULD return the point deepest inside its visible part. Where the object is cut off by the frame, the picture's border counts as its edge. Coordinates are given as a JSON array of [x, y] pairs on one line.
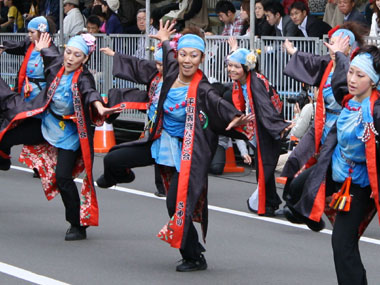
[[345, 242], [29, 133], [118, 161], [218, 161]]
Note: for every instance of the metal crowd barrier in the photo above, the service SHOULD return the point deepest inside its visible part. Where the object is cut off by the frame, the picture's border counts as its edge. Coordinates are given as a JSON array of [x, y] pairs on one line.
[[272, 61]]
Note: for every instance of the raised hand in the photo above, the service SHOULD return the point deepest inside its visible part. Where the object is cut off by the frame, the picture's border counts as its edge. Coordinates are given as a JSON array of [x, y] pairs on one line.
[[289, 47], [340, 44], [232, 42], [107, 51], [241, 120], [104, 111], [43, 42], [165, 31]]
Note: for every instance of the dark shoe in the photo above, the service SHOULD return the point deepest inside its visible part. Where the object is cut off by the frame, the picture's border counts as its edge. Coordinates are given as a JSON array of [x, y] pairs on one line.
[[291, 216], [159, 194], [192, 265], [129, 177], [102, 182], [249, 207], [35, 173], [76, 233], [315, 226], [270, 211], [5, 164]]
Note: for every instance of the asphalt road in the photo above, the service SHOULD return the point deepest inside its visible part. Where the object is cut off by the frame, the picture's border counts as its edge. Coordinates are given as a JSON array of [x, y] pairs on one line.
[[242, 248]]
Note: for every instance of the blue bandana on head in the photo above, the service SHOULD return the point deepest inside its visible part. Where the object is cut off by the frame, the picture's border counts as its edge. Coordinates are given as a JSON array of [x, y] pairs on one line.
[[239, 55], [39, 24], [364, 62], [158, 55], [80, 43], [344, 33], [191, 41]]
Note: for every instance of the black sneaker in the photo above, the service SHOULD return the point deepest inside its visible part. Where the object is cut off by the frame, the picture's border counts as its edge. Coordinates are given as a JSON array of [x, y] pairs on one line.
[[159, 194], [5, 164], [192, 265], [292, 216], [102, 182], [76, 233]]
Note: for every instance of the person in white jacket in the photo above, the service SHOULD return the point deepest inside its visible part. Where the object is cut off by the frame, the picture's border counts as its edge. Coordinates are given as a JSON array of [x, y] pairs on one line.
[[74, 20], [375, 29]]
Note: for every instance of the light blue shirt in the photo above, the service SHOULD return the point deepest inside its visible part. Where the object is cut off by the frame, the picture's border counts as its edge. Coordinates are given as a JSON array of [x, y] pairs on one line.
[[34, 69], [350, 148], [61, 133]]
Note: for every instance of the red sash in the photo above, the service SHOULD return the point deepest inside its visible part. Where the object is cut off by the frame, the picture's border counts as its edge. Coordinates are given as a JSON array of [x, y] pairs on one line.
[[173, 232], [320, 114], [22, 72]]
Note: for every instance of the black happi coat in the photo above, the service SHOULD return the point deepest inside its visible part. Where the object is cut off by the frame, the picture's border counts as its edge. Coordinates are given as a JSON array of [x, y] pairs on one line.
[[308, 68], [213, 114], [21, 48], [13, 109]]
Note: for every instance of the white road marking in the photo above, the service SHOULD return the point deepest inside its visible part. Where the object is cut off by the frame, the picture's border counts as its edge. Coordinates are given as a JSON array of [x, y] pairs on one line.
[[28, 275], [219, 209]]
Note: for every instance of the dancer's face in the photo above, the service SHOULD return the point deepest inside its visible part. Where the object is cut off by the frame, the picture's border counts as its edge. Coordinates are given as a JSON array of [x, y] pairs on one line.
[[236, 71], [34, 35], [189, 60], [73, 58], [359, 83]]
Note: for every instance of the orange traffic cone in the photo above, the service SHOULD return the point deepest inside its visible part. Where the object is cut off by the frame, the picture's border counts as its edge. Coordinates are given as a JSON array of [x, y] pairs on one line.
[[231, 162], [104, 138]]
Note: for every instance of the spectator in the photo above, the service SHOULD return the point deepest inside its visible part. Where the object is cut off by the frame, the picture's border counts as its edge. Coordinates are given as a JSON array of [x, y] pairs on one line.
[[333, 16], [97, 11], [74, 21], [347, 7], [287, 3], [127, 15], [112, 24], [233, 24], [3, 13], [51, 9], [93, 24], [33, 10], [262, 27], [15, 21], [141, 25], [375, 29], [308, 25], [276, 17], [189, 13]]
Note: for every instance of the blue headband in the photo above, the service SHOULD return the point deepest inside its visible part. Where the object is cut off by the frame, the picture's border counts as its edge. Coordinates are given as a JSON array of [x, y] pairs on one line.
[[364, 62], [239, 55], [344, 33], [158, 55], [191, 41], [39, 24], [80, 43]]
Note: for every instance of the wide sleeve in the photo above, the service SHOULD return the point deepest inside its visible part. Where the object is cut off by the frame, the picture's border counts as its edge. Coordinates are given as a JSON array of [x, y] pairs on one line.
[[306, 67], [339, 78], [265, 112], [133, 69], [16, 47], [52, 62], [86, 85], [170, 63], [220, 113]]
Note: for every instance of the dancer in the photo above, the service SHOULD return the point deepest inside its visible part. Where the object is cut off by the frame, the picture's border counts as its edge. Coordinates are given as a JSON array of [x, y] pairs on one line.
[[136, 70], [252, 94], [316, 70], [183, 138], [56, 129], [346, 173], [31, 80]]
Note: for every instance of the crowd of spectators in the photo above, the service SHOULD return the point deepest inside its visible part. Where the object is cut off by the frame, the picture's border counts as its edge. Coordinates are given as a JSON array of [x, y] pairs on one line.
[[299, 18]]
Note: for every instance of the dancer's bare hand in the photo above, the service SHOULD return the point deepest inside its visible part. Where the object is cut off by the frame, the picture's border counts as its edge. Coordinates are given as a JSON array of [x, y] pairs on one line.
[[43, 42], [107, 51], [284, 131], [247, 159], [239, 121], [165, 31], [289, 47], [232, 42], [105, 111], [340, 44]]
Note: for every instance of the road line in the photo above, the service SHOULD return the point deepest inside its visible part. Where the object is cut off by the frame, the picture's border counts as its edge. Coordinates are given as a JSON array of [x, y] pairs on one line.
[[219, 209], [28, 275]]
